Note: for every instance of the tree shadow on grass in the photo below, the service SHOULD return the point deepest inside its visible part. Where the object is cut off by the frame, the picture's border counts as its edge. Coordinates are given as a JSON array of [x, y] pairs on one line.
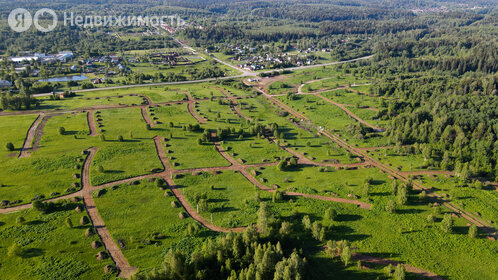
[[348, 218], [114, 171], [217, 200], [32, 252], [223, 209], [380, 194], [460, 229], [409, 211], [35, 222]]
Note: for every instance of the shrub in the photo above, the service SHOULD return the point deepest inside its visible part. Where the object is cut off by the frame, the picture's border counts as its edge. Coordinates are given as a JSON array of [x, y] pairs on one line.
[[20, 220], [431, 218], [399, 272], [277, 196], [84, 220], [473, 231], [391, 206], [69, 223], [330, 214], [120, 138], [39, 206], [447, 223], [9, 146], [306, 222], [62, 130], [89, 232], [14, 250]]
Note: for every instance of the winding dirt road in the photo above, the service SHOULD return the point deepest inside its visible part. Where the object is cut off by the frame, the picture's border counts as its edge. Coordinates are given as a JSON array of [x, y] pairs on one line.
[[386, 262], [145, 116], [125, 269], [190, 104], [91, 123], [30, 136]]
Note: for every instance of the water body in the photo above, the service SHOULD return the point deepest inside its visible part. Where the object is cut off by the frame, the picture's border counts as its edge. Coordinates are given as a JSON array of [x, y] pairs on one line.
[[64, 79]]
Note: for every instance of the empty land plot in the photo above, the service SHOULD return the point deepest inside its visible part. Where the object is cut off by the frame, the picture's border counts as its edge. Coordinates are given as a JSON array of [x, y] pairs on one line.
[[352, 98], [48, 248], [251, 150], [333, 82], [231, 199], [399, 160], [126, 122], [54, 168], [218, 112], [176, 114], [122, 160], [14, 130], [186, 153], [322, 113], [329, 182], [143, 222], [90, 99], [481, 202]]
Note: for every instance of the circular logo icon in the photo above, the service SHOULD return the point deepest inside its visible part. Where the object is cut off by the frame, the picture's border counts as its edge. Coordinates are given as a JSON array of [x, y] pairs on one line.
[[20, 20], [51, 26]]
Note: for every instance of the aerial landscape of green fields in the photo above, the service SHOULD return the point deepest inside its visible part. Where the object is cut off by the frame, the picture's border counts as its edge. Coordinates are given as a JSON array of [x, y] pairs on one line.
[[249, 140]]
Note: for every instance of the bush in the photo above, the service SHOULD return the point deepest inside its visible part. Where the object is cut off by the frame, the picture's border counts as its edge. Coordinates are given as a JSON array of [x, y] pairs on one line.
[[62, 130], [14, 250], [20, 220], [447, 223], [89, 232], [69, 223], [9, 146], [84, 220], [391, 206], [473, 231], [120, 138], [330, 214]]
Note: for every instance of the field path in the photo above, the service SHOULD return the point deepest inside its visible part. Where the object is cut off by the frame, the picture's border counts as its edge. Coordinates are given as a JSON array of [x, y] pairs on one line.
[[427, 172], [30, 136], [125, 269], [145, 116], [91, 123], [386, 262], [39, 133], [191, 109]]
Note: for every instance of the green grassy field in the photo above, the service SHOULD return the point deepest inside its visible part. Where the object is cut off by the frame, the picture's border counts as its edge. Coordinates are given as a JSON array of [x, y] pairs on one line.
[[141, 217], [48, 248], [146, 223]]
